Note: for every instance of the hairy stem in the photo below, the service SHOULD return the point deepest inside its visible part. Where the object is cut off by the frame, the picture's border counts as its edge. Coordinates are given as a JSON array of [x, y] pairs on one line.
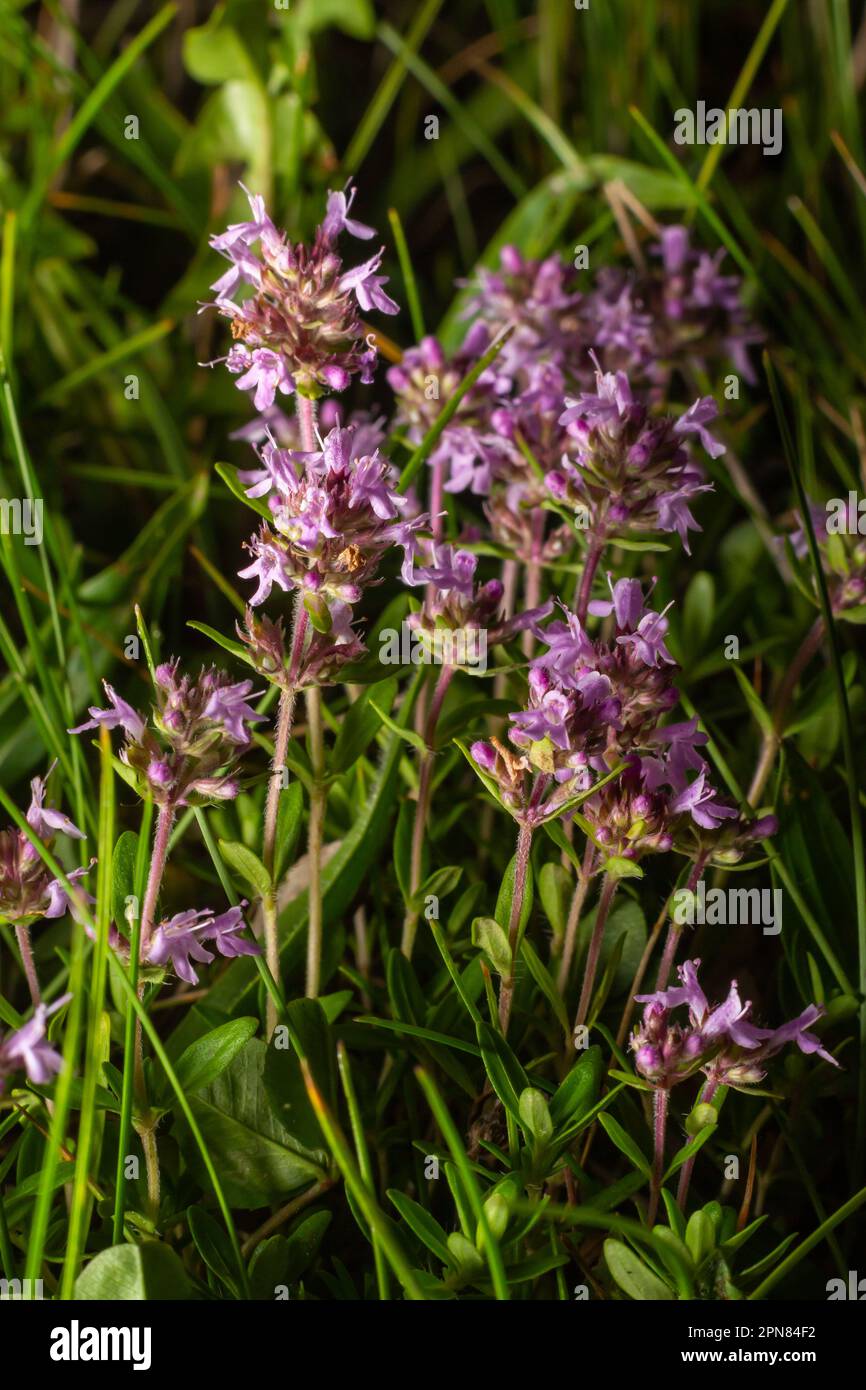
[[307, 423], [151, 1163], [159, 855], [707, 1094], [506, 989], [282, 736], [674, 930], [581, 888], [22, 935], [422, 807], [660, 1119], [608, 889], [318, 798]]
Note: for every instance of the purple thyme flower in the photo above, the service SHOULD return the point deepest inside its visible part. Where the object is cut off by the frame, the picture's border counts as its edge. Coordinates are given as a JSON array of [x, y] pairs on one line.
[[299, 330], [28, 890], [27, 1049], [719, 1040], [679, 314], [631, 472], [199, 732], [178, 941], [334, 516]]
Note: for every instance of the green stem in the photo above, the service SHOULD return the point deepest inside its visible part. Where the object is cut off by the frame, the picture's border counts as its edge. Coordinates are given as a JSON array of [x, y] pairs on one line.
[[129, 1034], [318, 799]]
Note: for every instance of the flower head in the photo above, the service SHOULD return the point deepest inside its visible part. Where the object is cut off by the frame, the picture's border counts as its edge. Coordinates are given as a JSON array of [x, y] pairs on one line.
[[630, 471], [27, 1049], [28, 889], [199, 730], [720, 1040], [334, 514], [298, 330], [178, 941]]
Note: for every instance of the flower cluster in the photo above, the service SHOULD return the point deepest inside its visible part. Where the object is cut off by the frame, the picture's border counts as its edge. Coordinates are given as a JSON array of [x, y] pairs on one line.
[[299, 330], [28, 890], [27, 1048], [188, 755], [334, 514], [632, 472], [679, 313], [721, 1041], [178, 941], [594, 706]]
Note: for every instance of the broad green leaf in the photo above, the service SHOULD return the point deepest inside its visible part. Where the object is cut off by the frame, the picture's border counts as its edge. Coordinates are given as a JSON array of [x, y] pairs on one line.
[[203, 1061], [632, 1275], [137, 1273], [259, 1160]]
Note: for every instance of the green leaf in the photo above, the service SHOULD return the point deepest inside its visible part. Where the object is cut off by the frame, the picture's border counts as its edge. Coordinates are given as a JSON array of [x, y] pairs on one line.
[[689, 1150], [700, 1236], [506, 891], [204, 1060], [125, 1273], [760, 713], [617, 867], [304, 1243], [213, 1245], [360, 724], [230, 477], [311, 1039], [535, 1115], [506, 1075], [625, 1144], [676, 1257], [698, 610], [632, 1275], [247, 865], [555, 887], [438, 885], [268, 1267], [259, 1160], [289, 818], [407, 735], [228, 644], [577, 1094], [123, 877], [425, 1226], [488, 934], [546, 983]]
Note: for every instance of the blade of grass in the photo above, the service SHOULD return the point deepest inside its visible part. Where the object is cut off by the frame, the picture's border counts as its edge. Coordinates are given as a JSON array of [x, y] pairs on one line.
[[791, 1261], [440, 93], [80, 1206], [450, 1134], [847, 732], [409, 281], [128, 1087], [90, 107], [386, 93], [743, 83], [373, 1214], [364, 1164]]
